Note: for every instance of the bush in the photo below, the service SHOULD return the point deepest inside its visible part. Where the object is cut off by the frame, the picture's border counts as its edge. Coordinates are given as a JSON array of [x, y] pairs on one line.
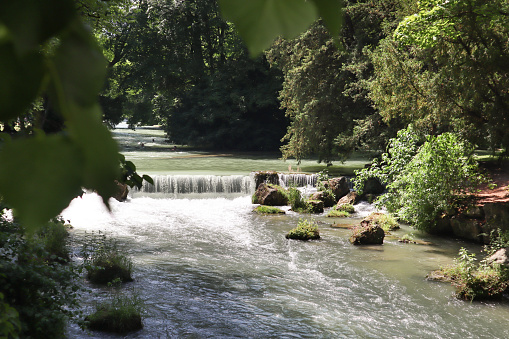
[[297, 203], [423, 182], [476, 282], [337, 214], [9, 320], [106, 261], [42, 291], [53, 238], [268, 210], [121, 314], [305, 230]]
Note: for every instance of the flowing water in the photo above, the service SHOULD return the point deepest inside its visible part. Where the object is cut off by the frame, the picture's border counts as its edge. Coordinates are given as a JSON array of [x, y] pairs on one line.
[[211, 268]]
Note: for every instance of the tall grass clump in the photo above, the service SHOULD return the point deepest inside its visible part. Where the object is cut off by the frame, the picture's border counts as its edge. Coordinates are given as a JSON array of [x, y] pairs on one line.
[[106, 261], [121, 313]]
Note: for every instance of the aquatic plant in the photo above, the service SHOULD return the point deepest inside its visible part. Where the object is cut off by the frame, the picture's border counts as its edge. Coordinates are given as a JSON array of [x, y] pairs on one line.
[[121, 314], [106, 261]]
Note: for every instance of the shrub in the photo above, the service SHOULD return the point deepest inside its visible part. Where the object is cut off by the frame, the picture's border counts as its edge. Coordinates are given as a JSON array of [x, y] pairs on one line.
[[476, 282], [43, 291], [305, 230], [423, 182], [106, 261], [345, 207], [52, 237], [120, 314], [268, 210], [337, 214], [297, 203], [498, 239], [9, 320]]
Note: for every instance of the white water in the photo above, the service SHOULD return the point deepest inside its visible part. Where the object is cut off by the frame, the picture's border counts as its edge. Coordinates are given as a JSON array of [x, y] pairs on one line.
[[210, 268]]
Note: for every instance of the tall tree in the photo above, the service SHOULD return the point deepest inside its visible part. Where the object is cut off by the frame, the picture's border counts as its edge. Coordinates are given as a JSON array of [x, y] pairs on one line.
[[447, 68], [325, 92]]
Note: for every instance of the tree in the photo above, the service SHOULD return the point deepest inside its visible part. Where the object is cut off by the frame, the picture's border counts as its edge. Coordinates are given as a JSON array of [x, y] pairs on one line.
[[326, 87], [423, 179], [446, 70]]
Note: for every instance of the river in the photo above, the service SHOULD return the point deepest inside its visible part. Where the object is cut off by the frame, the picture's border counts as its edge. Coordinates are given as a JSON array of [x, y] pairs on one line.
[[210, 268]]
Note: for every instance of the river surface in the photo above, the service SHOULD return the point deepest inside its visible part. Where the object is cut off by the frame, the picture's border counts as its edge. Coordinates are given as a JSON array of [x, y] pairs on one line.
[[211, 268]]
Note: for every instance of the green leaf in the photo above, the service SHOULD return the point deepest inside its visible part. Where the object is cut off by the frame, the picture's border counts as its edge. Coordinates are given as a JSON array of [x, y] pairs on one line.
[[148, 179], [39, 177], [100, 151], [259, 22], [20, 81], [80, 67], [31, 22], [330, 12]]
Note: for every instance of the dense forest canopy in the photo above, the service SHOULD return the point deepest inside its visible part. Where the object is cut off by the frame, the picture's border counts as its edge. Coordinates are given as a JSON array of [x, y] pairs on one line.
[[180, 64]]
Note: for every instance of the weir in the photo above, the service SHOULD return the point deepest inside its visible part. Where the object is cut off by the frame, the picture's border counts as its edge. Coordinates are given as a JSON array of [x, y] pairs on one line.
[[214, 184], [188, 184]]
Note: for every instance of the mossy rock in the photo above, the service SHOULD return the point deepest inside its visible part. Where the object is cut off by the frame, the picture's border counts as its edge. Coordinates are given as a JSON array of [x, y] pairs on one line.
[[367, 234], [262, 209], [385, 221], [305, 230], [315, 206], [269, 177], [114, 321], [106, 271], [270, 195], [325, 196], [345, 207], [337, 214]]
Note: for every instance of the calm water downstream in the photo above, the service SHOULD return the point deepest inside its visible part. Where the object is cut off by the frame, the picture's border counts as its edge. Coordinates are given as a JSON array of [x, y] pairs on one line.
[[210, 268]]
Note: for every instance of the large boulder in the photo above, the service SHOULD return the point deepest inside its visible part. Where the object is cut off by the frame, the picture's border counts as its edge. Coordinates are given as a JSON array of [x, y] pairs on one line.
[[500, 257], [351, 198], [338, 186], [267, 177], [270, 195], [470, 229], [328, 200], [315, 206], [367, 233]]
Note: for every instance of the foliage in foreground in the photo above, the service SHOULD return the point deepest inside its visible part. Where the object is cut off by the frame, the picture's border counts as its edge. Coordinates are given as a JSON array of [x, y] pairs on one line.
[[423, 182], [305, 230], [41, 288], [106, 261]]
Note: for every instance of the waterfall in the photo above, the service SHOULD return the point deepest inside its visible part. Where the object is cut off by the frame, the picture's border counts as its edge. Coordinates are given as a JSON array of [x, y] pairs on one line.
[[297, 179], [193, 184]]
